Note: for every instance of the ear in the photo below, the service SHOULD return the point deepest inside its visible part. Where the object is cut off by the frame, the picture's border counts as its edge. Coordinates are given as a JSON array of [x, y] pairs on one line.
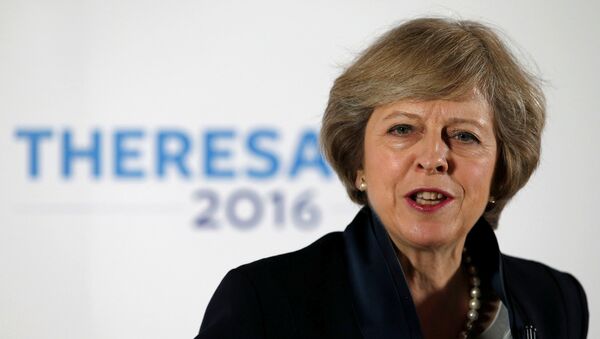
[[357, 180]]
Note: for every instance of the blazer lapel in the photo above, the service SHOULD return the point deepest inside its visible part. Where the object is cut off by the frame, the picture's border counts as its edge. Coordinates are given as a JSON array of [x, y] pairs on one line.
[[381, 298]]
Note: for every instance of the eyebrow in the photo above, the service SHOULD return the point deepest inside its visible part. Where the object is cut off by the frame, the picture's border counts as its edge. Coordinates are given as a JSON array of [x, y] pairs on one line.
[[396, 114], [413, 116], [465, 121]]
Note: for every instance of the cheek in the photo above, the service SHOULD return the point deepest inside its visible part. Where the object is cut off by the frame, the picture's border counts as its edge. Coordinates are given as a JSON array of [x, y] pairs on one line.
[[478, 179], [384, 165]]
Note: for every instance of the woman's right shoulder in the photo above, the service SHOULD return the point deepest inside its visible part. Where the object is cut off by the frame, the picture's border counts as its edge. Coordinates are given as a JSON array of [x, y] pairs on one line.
[[314, 259], [266, 294]]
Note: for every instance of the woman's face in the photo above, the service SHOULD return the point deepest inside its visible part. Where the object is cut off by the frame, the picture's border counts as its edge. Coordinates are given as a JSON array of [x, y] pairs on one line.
[[428, 167]]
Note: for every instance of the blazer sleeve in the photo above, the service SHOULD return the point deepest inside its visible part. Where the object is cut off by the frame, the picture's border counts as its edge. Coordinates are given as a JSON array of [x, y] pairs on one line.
[[577, 306], [234, 310]]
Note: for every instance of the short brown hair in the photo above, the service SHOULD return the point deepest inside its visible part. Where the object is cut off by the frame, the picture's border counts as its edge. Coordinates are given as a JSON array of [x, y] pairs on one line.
[[438, 58]]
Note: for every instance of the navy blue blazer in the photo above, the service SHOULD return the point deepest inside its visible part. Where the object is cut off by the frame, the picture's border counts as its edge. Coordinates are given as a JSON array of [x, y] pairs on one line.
[[349, 285]]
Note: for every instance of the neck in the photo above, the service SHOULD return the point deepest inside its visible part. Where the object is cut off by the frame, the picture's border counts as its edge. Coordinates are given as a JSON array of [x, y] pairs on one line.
[[439, 288], [429, 270]]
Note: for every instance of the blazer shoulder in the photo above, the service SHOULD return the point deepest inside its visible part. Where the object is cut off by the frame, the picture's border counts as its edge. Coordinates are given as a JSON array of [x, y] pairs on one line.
[[540, 274], [549, 290], [234, 301], [264, 297], [314, 258]]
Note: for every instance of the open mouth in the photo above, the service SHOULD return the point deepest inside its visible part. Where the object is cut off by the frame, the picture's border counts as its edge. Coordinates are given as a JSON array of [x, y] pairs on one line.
[[428, 198]]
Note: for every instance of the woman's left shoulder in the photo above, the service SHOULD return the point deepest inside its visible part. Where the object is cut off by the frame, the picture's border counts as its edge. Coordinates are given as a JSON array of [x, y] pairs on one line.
[[548, 293], [534, 273]]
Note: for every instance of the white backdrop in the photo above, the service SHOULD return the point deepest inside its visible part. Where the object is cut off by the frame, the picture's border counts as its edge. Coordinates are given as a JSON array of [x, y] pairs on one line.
[[202, 106]]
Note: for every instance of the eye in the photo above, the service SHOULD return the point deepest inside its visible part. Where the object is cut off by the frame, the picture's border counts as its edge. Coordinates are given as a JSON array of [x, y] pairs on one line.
[[465, 137], [401, 129]]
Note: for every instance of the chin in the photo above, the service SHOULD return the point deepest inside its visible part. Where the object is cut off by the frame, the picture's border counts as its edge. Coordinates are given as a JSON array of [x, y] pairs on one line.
[[429, 235]]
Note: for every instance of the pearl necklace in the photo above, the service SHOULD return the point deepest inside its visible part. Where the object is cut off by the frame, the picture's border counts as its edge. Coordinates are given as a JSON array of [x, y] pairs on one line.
[[474, 294]]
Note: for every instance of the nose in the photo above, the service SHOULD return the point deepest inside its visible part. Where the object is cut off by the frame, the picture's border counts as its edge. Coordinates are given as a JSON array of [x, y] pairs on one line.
[[432, 157]]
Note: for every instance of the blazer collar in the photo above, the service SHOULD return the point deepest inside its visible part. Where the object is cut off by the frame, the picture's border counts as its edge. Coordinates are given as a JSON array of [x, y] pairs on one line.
[[376, 277]]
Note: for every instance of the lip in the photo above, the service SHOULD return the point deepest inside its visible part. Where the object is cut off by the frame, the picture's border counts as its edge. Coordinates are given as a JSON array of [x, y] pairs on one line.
[[428, 208]]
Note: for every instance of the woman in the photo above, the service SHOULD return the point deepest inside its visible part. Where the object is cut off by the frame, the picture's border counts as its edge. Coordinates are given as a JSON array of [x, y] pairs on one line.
[[434, 128]]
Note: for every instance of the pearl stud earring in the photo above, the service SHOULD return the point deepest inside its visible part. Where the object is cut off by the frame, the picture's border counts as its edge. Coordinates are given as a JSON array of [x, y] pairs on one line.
[[363, 185]]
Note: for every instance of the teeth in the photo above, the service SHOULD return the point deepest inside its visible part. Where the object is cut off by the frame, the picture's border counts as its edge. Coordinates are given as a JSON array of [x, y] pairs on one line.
[[424, 195], [427, 202]]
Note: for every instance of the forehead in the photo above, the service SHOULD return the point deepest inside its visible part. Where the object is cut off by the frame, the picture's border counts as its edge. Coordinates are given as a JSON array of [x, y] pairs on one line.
[[473, 108]]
